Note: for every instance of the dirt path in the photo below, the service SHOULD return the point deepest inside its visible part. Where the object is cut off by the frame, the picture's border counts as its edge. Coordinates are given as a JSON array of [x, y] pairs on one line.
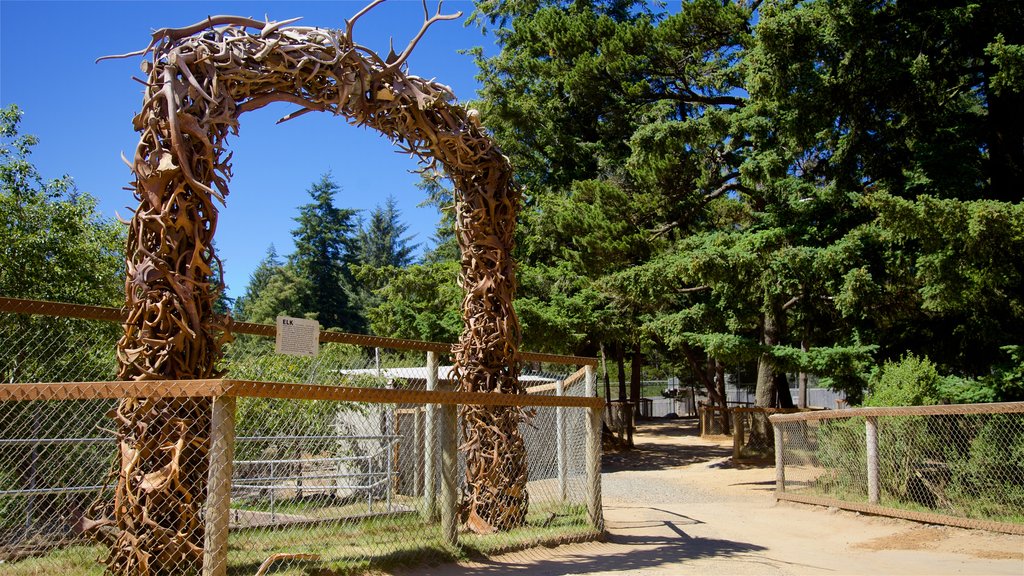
[[676, 506]]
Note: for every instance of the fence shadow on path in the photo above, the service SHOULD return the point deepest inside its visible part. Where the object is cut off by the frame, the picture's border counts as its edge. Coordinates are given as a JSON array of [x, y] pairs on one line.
[[634, 546]]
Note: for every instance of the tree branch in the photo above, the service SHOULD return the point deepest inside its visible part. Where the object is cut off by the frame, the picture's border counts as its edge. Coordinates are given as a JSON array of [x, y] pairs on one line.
[[730, 184]]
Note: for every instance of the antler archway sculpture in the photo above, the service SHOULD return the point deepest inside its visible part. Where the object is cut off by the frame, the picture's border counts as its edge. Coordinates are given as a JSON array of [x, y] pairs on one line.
[[201, 79]]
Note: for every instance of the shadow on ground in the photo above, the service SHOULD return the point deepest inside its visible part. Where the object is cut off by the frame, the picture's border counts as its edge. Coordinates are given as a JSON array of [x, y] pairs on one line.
[[648, 455], [622, 552]]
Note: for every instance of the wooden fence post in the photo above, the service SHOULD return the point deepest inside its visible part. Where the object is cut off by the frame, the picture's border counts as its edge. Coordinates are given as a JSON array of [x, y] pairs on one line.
[[560, 442], [871, 433], [780, 463], [430, 452], [448, 439], [218, 496], [594, 512], [737, 433]]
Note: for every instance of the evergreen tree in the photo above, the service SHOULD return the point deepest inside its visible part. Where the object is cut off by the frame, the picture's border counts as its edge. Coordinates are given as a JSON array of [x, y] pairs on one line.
[[805, 184], [382, 242], [324, 253], [258, 281]]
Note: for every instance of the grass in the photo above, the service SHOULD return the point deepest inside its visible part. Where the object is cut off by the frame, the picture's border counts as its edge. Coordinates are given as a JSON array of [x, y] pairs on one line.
[[350, 548], [832, 487], [316, 506], [70, 561]]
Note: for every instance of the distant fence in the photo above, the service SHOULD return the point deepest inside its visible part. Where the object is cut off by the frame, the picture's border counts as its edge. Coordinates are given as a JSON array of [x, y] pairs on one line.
[[751, 432], [961, 465], [338, 462]]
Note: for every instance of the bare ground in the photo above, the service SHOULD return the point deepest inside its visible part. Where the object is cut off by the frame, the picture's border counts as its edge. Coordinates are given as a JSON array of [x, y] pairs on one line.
[[675, 505]]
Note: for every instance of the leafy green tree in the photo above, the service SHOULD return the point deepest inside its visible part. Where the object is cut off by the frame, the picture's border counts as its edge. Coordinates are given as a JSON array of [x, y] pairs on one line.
[[897, 123], [54, 245], [421, 302], [807, 184], [611, 101], [286, 293]]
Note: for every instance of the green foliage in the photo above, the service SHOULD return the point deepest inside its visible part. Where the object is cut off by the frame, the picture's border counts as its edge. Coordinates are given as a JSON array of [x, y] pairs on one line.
[[912, 381], [832, 175], [1008, 378], [53, 243], [915, 381], [324, 251], [286, 293], [382, 241], [53, 246], [988, 480], [258, 281], [317, 281], [421, 302], [1008, 60], [842, 453], [968, 466]]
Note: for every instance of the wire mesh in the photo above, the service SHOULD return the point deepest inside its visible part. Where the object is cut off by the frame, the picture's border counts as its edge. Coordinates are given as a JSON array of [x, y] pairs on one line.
[[968, 466], [753, 438], [312, 484]]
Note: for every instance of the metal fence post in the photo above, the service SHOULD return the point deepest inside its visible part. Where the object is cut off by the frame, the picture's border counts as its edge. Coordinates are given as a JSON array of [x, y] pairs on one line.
[[594, 512], [780, 463], [871, 432], [431, 431], [560, 442], [218, 497], [449, 467]]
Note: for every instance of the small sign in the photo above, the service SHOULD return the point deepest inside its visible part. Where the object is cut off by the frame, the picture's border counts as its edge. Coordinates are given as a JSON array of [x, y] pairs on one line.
[[297, 336]]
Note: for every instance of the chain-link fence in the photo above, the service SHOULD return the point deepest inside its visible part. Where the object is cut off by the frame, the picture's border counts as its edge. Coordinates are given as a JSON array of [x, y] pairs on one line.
[[348, 461], [752, 438], [961, 465]]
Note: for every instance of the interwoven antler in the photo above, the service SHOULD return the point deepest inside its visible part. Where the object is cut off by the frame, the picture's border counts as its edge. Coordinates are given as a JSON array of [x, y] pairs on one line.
[[201, 78]]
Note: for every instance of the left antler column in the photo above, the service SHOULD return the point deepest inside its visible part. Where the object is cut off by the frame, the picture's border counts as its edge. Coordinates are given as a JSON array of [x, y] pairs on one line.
[[155, 524]]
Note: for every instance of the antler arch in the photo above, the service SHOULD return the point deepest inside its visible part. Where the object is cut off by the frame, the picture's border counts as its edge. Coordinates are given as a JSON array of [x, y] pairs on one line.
[[201, 79]]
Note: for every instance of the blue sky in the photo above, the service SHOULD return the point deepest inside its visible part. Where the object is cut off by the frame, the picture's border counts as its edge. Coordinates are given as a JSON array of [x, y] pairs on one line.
[[82, 111]]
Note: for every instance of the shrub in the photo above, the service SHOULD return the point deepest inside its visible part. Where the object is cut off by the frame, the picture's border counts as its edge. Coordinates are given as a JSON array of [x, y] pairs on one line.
[[912, 381]]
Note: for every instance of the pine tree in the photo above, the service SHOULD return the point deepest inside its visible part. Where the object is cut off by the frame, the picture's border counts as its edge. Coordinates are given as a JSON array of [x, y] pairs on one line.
[[382, 242], [258, 281], [324, 252]]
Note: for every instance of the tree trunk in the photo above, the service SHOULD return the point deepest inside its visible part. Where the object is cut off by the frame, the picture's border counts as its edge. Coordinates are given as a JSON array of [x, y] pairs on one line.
[[620, 357], [720, 386], [801, 378], [717, 398], [635, 376], [702, 375], [767, 393]]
